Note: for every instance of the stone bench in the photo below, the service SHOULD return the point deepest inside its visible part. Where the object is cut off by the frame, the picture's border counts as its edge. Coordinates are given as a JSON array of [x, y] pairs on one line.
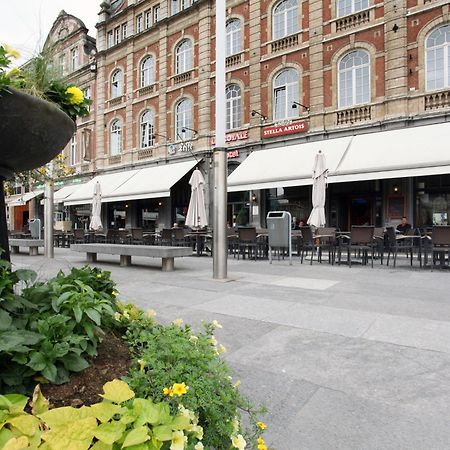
[[168, 254], [32, 244]]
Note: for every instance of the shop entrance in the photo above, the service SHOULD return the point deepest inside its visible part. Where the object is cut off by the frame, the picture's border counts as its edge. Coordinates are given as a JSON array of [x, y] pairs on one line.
[[360, 210]]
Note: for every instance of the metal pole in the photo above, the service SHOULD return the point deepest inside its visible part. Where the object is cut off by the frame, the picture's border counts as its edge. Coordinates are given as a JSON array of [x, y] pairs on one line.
[[48, 220], [4, 244], [220, 253]]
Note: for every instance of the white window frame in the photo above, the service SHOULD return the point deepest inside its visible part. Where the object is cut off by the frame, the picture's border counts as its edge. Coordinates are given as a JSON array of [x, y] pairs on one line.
[[116, 35], [346, 7], [285, 92], [147, 71], [87, 94], [146, 129], [139, 23], [357, 73], [431, 50], [147, 19], [74, 59], [115, 137], [233, 106], [184, 56], [184, 119], [156, 13], [73, 150], [124, 31], [116, 84], [62, 63], [234, 37], [110, 39], [285, 19], [174, 7]]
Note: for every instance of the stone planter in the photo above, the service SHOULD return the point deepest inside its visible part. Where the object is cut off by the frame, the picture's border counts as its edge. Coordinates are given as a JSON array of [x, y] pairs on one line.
[[32, 132]]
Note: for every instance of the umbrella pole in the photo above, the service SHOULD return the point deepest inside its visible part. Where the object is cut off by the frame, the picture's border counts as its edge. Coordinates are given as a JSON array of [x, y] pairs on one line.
[[4, 244]]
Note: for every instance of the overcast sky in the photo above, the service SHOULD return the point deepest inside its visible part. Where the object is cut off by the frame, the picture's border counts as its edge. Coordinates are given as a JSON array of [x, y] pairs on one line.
[[24, 24]]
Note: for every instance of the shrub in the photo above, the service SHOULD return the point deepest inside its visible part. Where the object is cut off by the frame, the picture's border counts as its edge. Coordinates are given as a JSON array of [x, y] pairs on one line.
[[47, 329], [119, 421], [166, 356]]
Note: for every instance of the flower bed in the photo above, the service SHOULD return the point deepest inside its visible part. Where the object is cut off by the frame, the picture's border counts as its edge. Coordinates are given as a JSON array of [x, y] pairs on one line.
[[177, 375]]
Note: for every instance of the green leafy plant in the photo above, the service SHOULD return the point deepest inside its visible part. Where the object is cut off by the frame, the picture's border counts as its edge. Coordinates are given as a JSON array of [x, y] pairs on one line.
[[47, 329], [119, 421], [167, 355]]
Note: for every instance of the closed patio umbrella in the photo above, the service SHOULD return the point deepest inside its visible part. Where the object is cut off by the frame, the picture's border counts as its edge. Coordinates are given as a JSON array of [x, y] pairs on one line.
[[96, 221], [320, 175], [196, 215]]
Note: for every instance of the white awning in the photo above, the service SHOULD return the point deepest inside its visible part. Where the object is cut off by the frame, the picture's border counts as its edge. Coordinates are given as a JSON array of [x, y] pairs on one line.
[[61, 194], [409, 152], [151, 182], [22, 199], [285, 166], [108, 184]]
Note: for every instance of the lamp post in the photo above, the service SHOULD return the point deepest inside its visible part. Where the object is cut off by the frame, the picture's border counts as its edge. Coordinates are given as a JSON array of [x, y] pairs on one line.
[[220, 156]]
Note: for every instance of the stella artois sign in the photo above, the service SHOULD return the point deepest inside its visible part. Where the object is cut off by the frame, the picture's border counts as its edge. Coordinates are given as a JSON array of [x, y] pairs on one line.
[[280, 130]]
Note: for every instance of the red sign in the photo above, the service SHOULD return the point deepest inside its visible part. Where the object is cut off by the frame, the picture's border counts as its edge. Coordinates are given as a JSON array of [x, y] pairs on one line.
[[280, 130], [233, 154], [232, 137]]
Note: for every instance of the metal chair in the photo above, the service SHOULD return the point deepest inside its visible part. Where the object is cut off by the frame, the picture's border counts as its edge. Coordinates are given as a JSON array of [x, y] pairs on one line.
[[307, 243], [166, 237], [247, 242], [326, 243], [361, 241], [179, 237], [440, 245]]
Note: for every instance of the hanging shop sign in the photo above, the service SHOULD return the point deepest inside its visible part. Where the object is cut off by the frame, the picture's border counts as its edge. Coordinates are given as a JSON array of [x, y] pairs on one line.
[[233, 137], [280, 130]]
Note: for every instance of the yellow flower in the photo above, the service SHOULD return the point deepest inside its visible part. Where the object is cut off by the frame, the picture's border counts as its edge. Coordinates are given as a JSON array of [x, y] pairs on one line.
[[150, 313], [193, 339], [179, 440], [236, 425], [261, 425], [178, 322], [262, 447], [222, 349], [117, 315], [237, 384], [99, 275], [180, 389], [238, 442], [216, 324], [76, 95], [213, 341], [260, 440], [199, 446], [141, 363], [14, 72], [11, 51], [115, 293], [198, 431], [126, 315], [168, 391]]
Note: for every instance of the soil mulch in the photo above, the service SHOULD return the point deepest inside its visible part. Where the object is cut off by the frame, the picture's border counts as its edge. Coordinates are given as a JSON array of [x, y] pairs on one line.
[[83, 388]]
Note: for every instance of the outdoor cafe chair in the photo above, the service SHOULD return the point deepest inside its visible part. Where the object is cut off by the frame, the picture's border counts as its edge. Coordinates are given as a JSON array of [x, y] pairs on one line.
[[137, 236], [166, 237], [326, 241], [179, 237], [307, 243], [247, 242], [379, 236], [440, 245], [361, 241], [79, 236]]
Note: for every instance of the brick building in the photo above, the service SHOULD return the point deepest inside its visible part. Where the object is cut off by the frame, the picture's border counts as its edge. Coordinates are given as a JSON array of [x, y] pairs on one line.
[[366, 81]]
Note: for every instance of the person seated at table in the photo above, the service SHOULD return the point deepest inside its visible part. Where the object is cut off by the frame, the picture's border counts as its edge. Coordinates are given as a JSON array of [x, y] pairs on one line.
[[404, 226], [175, 225]]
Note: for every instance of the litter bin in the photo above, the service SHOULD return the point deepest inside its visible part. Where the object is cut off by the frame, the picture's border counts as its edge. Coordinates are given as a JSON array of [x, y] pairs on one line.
[[35, 228], [279, 227]]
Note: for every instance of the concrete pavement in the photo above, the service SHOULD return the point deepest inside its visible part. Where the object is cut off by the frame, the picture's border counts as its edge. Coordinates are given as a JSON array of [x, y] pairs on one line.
[[352, 359]]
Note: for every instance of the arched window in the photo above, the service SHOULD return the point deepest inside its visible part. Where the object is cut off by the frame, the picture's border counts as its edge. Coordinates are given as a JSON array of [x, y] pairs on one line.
[[116, 84], [146, 129], [437, 50], [233, 94], [284, 18], [147, 71], [345, 7], [234, 40], [183, 54], [354, 79], [183, 120], [285, 92], [116, 138]]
